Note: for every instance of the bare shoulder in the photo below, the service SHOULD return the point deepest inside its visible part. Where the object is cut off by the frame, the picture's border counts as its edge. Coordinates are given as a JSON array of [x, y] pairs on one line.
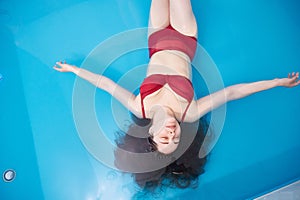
[[192, 114], [135, 106]]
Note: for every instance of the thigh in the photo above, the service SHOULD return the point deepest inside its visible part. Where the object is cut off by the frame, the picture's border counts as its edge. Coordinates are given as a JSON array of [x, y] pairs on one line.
[[182, 17], [159, 15]]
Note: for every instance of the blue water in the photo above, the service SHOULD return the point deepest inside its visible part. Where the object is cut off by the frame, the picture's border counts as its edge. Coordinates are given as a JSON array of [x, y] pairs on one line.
[[248, 41]]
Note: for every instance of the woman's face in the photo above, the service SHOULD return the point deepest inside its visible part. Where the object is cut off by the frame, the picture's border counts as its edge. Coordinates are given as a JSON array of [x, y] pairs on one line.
[[167, 136]]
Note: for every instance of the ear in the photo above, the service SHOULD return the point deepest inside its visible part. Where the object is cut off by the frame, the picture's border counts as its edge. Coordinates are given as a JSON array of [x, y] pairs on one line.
[[151, 131]]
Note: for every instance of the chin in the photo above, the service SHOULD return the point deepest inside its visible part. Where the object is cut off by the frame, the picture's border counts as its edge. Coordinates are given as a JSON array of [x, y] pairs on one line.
[[171, 122]]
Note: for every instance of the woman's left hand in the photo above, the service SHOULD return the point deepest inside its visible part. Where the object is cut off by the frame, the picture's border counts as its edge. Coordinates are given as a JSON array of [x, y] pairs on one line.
[[291, 80]]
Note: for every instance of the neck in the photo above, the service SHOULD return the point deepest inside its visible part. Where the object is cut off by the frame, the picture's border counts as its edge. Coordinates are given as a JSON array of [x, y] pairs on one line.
[[159, 114]]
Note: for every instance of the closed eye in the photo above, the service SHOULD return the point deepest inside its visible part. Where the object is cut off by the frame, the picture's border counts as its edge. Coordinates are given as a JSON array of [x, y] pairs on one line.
[[164, 140], [176, 140]]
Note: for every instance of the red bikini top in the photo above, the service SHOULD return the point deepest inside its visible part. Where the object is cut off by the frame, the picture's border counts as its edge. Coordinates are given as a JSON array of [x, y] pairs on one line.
[[179, 84]]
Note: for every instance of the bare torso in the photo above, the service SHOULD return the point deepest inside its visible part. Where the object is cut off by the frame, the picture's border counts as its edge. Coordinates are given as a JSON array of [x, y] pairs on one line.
[[170, 62]]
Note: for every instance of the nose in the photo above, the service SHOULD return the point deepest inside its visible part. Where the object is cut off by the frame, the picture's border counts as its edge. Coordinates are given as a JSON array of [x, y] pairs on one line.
[[171, 132]]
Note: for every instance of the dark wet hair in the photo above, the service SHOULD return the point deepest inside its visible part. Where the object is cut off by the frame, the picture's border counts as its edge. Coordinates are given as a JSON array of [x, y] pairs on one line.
[[181, 173]]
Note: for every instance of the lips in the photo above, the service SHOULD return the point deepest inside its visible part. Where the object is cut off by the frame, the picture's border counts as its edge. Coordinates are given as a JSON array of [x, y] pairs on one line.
[[172, 126]]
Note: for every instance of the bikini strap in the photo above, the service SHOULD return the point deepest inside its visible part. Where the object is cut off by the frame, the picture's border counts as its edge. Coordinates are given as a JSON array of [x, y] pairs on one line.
[[187, 107], [143, 109]]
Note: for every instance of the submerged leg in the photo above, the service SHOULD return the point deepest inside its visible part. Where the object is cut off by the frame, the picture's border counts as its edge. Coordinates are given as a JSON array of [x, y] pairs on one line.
[[182, 17]]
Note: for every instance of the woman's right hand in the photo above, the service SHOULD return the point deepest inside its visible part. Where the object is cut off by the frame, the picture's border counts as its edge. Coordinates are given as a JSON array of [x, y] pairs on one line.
[[64, 67]]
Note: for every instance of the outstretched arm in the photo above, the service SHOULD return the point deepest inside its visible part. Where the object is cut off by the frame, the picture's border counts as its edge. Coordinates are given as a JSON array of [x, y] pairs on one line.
[[122, 95], [210, 102]]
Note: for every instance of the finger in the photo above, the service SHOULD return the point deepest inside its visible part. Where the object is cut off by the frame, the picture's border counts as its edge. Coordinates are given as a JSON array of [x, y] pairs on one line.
[[59, 63], [297, 74], [65, 62], [57, 69], [293, 73], [289, 75], [296, 84], [294, 77]]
